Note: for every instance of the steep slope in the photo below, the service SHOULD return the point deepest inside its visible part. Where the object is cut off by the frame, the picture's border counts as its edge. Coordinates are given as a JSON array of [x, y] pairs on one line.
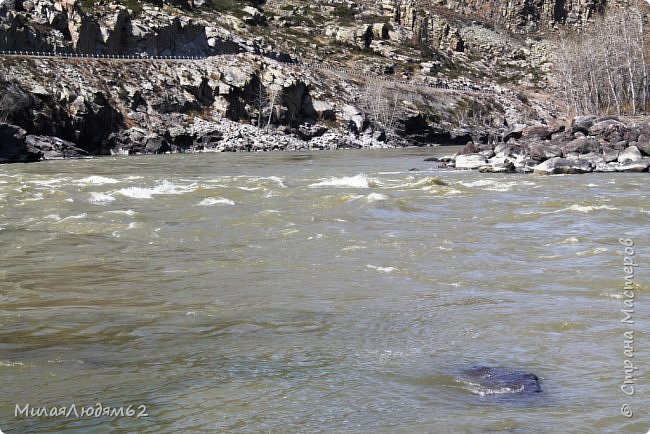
[[392, 53]]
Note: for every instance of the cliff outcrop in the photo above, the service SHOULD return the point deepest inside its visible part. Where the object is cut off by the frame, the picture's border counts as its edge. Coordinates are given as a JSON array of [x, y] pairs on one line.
[[258, 73]]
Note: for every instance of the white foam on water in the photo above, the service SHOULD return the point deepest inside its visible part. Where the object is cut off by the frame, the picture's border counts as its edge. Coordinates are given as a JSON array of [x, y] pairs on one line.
[[8, 364], [210, 201], [586, 208], [612, 295], [352, 197], [376, 197], [569, 240], [428, 183], [278, 180], [74, 217], [48, 182], [485, 391], [163, 188], [97, 180], [315, 237], [250, 188], [496, 185], [128, 212], [479, 183], [353, 248], [99, 198], [34, 198], [386, 270], [357, 181], [594, 251]]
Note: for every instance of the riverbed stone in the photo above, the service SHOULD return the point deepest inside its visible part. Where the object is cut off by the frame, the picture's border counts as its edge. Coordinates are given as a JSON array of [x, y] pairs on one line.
[[543, 150], [470, 161], [54, 148], [581, 145], [507, 167], [558, 165], [488, 380], [582, 123], [634, 166], [631, 154]]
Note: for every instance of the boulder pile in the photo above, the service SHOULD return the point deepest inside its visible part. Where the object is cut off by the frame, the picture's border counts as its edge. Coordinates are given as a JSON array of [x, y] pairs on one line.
[[590, 144]]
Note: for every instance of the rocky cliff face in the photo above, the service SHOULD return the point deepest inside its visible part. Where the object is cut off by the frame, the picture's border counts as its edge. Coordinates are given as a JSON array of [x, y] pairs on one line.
[[519, 16], [241, 89]]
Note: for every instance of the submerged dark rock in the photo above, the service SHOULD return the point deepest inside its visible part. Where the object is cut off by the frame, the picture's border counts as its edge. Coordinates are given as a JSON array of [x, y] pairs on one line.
[[487, 380]]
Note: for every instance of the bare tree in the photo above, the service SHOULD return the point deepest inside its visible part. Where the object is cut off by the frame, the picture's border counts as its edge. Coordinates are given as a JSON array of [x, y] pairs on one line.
[[274, 96], [384, 106], [605, 68], [261, 101]]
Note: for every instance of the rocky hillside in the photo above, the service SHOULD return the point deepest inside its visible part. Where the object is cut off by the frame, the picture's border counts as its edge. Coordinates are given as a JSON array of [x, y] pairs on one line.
[[399, 72]]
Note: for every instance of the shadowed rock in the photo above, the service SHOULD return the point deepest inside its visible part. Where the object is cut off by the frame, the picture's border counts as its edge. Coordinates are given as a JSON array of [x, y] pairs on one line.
[[487, 380]]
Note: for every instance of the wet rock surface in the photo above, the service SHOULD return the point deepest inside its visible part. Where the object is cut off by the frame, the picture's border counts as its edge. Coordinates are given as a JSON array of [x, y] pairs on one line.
[[591, 144], [487, 380]]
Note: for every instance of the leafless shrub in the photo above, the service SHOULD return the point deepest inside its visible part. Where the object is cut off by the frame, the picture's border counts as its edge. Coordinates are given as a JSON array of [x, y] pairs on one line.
[[384, 106], [605, 69]]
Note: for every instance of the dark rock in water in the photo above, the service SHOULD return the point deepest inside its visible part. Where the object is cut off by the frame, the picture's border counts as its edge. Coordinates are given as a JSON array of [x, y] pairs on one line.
[[487, 380]]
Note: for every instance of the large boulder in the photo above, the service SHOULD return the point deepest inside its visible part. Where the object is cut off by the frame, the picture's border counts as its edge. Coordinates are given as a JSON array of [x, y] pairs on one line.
[[631, 154], [54, 148], [324, 110], [487, 380], [540, 132], [582, 123], [13, 146], [497, 167], [543, 150], [470, 161], [606, 126], [634, 166], [515, 132], [558, 165], [581, 145], [643, 144], [354, 116]]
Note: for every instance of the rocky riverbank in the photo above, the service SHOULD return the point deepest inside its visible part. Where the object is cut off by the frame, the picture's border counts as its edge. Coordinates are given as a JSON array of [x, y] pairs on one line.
[[590, 144]]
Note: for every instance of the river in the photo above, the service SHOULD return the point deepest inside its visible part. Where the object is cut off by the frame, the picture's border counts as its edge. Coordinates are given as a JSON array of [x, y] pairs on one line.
[[317, 292]]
